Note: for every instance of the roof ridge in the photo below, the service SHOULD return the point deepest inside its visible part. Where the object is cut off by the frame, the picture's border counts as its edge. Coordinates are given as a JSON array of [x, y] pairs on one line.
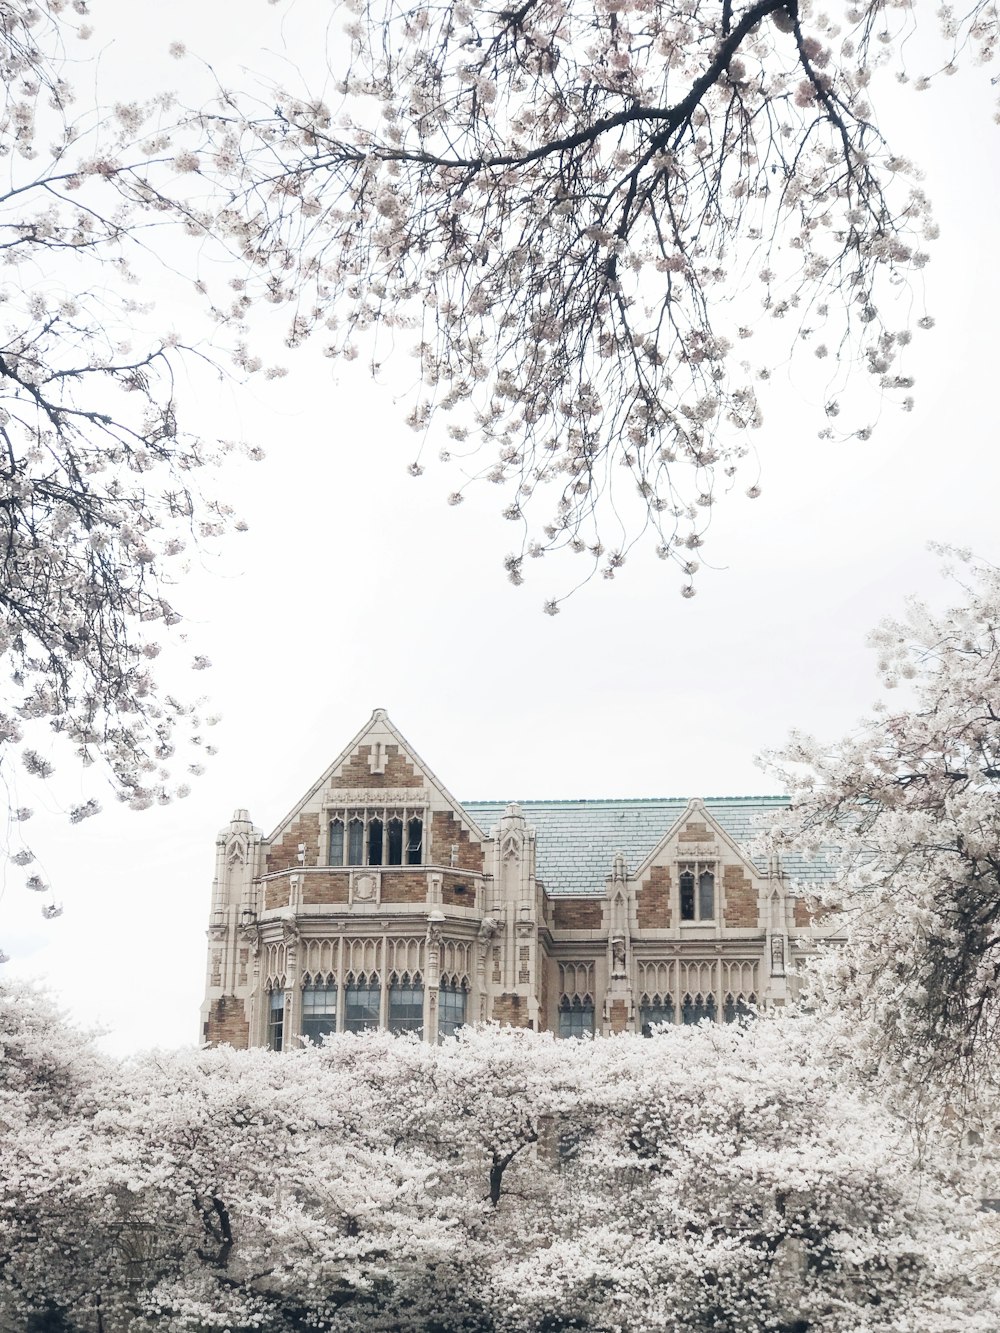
[[614, 800]]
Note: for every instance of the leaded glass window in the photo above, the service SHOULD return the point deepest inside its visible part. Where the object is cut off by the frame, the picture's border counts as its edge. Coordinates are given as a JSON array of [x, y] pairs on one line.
[[276, 1020], [375, 836], [406, 1004], [738, 1009], [362, 1003], [576, 1016], [654, 1010], [698, 1007], [319, 1010], [451, 1008], [696, 883]]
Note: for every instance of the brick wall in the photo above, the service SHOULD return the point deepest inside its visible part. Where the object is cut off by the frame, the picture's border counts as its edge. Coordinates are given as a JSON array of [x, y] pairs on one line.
[[276, 893], [226, 1023], [652, 899], [694, 832], [577, 913], [399, 772], [511, 1010], [806, 912], [284, 853], [619, 1016], [741, 898], [325, 888], [404, 888], [452, 894], [447, 832]]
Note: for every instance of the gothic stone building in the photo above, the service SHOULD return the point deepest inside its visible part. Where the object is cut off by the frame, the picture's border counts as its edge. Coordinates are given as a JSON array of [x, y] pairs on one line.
[[381, 901]]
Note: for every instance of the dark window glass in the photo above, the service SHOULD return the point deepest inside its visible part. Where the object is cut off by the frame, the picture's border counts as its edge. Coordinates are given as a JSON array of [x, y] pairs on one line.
[[336, 857], [656, 1011], [710, 1009], [706, 896], [319, 1011], [406, 1006], [451, 1010], [739, 1010], [276, 1020], [688, 1010], [374, 842], [687, 895], [414, 841], [576, 1018], [394, 829], [355, 842], [362, 1000]]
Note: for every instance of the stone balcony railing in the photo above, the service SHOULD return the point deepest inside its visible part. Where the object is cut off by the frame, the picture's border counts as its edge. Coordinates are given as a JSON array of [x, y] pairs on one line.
[[360, 887]]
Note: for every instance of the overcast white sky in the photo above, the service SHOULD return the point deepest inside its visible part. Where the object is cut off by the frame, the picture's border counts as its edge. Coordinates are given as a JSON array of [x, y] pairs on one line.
[[358, 587]]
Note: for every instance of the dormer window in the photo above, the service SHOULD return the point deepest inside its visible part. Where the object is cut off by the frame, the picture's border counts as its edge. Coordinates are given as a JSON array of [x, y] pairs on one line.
[[376, 837], [697, 891]]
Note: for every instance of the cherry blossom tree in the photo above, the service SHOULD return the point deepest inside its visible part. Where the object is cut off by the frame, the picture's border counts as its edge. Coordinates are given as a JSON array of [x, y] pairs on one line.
[[585, 216], [99, 474], [910, 802], [709, 1178]]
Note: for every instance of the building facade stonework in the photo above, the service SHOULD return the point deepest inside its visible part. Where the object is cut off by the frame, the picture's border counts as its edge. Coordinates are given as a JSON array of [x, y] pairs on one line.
[[381, 901]]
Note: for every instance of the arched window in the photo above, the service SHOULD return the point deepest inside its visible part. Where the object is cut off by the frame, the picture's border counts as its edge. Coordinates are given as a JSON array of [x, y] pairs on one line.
[[394, 829], [451, 1007], [653, 1011], [356, 842], [335, 855], [706, 896], [276, 1019], [696, 884], [740, 1009], [576, 1016], [374, 842], [319, 1010], [406, 1004], [414, 841], [362, 1002]]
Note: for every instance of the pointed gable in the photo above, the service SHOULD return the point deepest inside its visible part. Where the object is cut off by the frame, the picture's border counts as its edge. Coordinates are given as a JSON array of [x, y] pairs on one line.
[[378, 768]]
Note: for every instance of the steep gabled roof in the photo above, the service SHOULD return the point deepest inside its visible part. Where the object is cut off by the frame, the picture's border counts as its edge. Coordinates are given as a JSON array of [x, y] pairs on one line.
[[378, 727], [578, 839]]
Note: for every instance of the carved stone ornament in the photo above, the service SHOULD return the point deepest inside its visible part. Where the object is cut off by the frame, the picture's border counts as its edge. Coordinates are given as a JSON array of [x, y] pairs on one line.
[[341, 797], [364, 887], [697, 851], [510, 849]]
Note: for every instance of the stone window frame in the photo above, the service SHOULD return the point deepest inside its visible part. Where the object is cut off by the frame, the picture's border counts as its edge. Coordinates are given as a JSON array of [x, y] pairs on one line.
[[313, 1018], [698, 868], [367, 814], [276, 1018], [655, 1008], [573, 1012], [405, 984], [354, 985], [450, 987]]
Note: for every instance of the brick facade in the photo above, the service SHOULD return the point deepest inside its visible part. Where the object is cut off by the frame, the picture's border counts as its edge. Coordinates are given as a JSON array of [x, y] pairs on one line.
[[473, 912]]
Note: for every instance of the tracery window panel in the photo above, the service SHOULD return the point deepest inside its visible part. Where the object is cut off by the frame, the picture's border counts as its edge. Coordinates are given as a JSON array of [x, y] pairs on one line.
[[739, 1008], [654, 1010], [406, 1004], [696, 1008], [362, 1003], [276, 1020], [576, 1016], [452, 1003], [697, 891], [375, 836], [319, 1010]]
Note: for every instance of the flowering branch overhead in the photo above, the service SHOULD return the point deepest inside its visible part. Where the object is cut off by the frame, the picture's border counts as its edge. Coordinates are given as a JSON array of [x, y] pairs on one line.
[[579, 212]]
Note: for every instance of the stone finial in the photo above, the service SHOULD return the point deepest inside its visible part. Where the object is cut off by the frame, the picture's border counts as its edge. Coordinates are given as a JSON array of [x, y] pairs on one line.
[[619, 867]]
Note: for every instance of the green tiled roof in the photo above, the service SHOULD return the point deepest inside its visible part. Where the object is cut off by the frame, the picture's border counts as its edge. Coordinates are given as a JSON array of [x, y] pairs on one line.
[[577, 840]]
